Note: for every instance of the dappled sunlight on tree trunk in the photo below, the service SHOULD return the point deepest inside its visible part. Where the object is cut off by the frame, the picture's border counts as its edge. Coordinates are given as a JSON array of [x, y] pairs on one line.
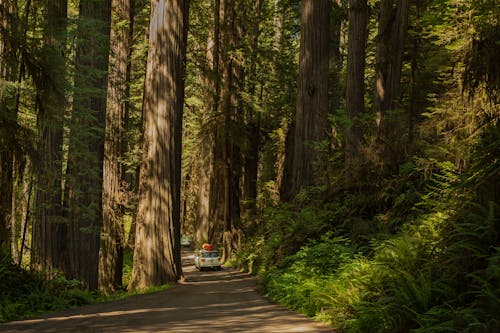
[[113, 197], [157, 258]]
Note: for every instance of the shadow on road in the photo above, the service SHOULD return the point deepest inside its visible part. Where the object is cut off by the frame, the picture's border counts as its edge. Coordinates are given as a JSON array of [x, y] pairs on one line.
[[207, 302]]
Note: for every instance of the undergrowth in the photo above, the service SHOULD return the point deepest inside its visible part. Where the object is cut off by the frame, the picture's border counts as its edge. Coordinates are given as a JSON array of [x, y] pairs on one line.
[[436, 269], [25, 293]]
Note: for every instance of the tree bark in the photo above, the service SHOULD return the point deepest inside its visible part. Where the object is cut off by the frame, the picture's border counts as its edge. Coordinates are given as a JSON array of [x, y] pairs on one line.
[[14, 226], [311, 116], [355, 90], [157, 258], [5, 205], [393, 24], [253, 121], [208, 192], [413, 106], [49, 248], [337, 45], [85, 159], [230, 110], [26, 192], [203, 223], [7, 119], [112, 235]]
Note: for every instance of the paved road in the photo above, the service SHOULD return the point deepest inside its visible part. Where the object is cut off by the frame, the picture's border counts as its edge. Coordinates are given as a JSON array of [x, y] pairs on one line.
[[208, 302]]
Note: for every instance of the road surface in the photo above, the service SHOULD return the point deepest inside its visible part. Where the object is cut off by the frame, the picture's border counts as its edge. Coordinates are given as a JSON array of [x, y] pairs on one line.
[[207, 302]]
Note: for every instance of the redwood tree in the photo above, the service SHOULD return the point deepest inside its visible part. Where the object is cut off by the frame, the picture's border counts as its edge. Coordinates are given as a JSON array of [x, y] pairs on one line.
[[355, 90], [208, 195], [311, 115], [85, 158], [157, 257], [112, 239], [392, 31], [253, 118], [49, 249], [7, 124]]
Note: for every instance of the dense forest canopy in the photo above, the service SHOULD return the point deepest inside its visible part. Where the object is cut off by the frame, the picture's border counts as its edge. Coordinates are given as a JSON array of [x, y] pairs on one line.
[[347, 151]]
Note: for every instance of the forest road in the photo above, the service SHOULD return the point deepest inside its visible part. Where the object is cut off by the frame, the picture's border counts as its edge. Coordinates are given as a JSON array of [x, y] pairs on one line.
[[207, 302]]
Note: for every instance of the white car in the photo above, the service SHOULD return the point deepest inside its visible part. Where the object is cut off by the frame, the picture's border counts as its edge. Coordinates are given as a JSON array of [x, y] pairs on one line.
[[207, 259]]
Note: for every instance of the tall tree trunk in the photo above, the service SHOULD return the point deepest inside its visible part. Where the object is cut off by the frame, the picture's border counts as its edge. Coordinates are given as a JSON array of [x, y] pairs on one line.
[[393, 24], [337, 44], [14, 225], [311, 116], [203, 223], [49, 248], [27, 186], [284, 156], [413, 106], [6, 182], [207, 196], [251, 166], [157, 257], [7, 120], [355, 91], [112, 239], [230, 109], [252, 147], [85, 159]]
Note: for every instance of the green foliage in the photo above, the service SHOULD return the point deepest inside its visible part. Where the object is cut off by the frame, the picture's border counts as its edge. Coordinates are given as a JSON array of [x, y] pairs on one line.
[[24, 293], [437, 271], [289, 227], [306, 273], [128, 259], [250, 257]]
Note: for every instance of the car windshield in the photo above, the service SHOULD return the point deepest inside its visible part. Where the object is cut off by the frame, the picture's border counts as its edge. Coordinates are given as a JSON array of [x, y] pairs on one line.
[[209, 254]]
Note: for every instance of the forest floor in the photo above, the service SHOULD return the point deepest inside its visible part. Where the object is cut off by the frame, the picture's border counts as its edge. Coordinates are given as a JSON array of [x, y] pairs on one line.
[[211, 301]]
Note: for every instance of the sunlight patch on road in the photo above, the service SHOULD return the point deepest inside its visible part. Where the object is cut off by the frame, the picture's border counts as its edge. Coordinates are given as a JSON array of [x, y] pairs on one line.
[[100, 314]]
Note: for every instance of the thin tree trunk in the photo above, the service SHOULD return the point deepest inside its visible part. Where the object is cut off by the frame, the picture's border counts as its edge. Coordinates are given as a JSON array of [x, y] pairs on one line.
[[14, 230], [355, 91], [337, 27], [13, 226], [5, 205], [413, 96], [157, 257], [27, 188]]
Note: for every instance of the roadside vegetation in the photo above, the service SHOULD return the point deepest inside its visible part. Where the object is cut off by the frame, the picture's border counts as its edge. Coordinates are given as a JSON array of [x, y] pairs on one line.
[[430, 262], [26, 293], [412, 246]]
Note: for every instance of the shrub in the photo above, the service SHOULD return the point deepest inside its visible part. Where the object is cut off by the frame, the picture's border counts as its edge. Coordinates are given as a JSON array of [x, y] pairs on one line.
[[24, 293]]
